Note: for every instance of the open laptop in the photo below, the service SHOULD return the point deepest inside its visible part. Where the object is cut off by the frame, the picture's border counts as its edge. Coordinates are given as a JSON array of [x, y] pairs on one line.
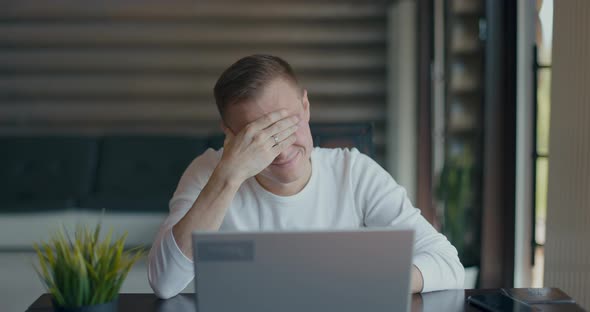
[[340, 271]]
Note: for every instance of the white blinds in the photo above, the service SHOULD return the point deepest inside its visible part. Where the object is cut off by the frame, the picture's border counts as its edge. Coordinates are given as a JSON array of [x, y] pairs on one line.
[[147, 66]]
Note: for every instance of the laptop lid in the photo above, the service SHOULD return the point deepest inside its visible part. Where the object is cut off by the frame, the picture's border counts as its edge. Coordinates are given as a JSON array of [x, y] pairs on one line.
[[360, 270]]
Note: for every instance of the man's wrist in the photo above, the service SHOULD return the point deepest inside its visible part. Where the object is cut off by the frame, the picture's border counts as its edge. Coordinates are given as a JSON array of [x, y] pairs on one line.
[[227, 176]]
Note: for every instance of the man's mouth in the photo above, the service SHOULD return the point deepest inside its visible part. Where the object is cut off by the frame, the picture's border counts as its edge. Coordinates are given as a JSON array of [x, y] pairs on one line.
[[286, 161]]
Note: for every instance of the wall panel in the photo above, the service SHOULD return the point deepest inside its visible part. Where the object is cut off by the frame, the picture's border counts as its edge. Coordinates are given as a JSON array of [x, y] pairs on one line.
[[150, 66], [567, 256]]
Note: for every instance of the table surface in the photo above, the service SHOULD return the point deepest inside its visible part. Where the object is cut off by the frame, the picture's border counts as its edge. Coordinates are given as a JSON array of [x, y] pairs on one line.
[[448, 300]]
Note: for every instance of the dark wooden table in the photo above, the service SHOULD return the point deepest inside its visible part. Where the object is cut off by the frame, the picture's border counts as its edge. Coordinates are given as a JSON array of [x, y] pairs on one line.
[[448, 301]]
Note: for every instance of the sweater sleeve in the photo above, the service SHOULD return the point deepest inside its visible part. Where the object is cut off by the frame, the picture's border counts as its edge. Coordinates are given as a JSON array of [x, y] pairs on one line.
[[384, 203], [169, 270]]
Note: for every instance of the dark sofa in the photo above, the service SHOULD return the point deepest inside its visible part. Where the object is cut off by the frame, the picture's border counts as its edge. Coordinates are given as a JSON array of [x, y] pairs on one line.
[[118, 173]]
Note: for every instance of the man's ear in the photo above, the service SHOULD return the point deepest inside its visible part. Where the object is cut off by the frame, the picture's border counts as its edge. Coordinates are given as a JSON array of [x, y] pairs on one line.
[[305, 102]]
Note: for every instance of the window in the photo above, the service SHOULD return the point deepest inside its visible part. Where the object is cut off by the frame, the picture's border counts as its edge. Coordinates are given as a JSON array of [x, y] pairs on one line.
[[542, 109]]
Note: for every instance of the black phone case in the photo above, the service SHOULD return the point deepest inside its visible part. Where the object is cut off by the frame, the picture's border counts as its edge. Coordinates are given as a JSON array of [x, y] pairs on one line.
[[498, 302]]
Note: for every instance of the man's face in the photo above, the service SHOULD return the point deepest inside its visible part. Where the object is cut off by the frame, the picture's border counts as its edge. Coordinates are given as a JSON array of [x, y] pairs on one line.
[[293, 164]]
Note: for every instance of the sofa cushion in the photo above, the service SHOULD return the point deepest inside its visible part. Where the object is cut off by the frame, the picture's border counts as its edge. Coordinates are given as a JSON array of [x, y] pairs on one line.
[[140, 173], [45, 169], [345, 135]]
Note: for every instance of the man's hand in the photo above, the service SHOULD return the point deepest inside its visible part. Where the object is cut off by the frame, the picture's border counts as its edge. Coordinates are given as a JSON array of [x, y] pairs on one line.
[[417, 280], [248, 152], [244, 156]]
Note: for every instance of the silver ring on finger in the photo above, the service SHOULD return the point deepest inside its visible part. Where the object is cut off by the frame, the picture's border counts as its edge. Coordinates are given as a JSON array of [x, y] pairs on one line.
[[276, 139]]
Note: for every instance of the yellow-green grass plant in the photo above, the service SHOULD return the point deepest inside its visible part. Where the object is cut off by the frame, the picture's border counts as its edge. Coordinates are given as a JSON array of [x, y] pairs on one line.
[[84, 271]]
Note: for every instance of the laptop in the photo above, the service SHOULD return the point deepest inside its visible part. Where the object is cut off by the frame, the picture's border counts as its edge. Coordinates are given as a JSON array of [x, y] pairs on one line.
[[340, 271]]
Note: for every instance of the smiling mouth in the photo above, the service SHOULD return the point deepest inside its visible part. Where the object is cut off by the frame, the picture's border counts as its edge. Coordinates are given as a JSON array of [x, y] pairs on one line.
[[287, 161]]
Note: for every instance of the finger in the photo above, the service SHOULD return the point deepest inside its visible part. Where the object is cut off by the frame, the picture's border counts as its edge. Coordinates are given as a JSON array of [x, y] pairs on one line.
[[280, 126], [281, 136], [284, 144], [265, 121]]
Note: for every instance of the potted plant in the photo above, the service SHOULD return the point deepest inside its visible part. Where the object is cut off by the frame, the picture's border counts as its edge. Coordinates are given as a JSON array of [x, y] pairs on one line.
[[84, 273]]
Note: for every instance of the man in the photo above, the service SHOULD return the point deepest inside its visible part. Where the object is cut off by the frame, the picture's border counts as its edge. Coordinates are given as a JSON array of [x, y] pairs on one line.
[[268, 176]]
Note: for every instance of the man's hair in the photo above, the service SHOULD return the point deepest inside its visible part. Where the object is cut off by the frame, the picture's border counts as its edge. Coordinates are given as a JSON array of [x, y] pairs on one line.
[[244, 79]]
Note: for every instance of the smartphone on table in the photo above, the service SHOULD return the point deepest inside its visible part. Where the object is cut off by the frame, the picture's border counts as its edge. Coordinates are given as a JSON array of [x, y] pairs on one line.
[[498, 302]]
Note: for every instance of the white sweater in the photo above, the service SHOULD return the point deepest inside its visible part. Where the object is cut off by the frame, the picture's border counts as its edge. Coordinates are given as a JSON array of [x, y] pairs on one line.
[[346, 190]]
